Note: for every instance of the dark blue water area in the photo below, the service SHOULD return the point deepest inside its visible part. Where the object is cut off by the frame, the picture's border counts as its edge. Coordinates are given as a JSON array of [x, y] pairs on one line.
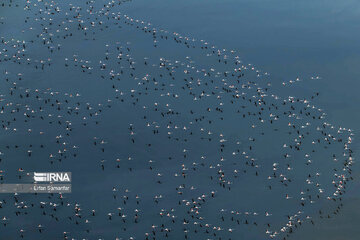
[[294, 39], [289, 39], [110, 115]]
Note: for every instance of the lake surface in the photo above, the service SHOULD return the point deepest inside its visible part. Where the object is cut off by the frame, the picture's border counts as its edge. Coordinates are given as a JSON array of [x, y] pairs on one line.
[[288, 39], [315, 41]]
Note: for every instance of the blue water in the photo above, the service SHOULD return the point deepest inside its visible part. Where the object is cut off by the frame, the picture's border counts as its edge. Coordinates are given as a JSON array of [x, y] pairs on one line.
[[287, 39]]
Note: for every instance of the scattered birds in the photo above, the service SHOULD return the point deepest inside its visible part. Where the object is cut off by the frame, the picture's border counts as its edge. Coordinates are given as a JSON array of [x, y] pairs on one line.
[[183, 145]]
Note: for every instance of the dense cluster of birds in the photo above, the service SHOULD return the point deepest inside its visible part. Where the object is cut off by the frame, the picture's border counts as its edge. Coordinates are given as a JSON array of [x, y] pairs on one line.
[[166, 136]]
